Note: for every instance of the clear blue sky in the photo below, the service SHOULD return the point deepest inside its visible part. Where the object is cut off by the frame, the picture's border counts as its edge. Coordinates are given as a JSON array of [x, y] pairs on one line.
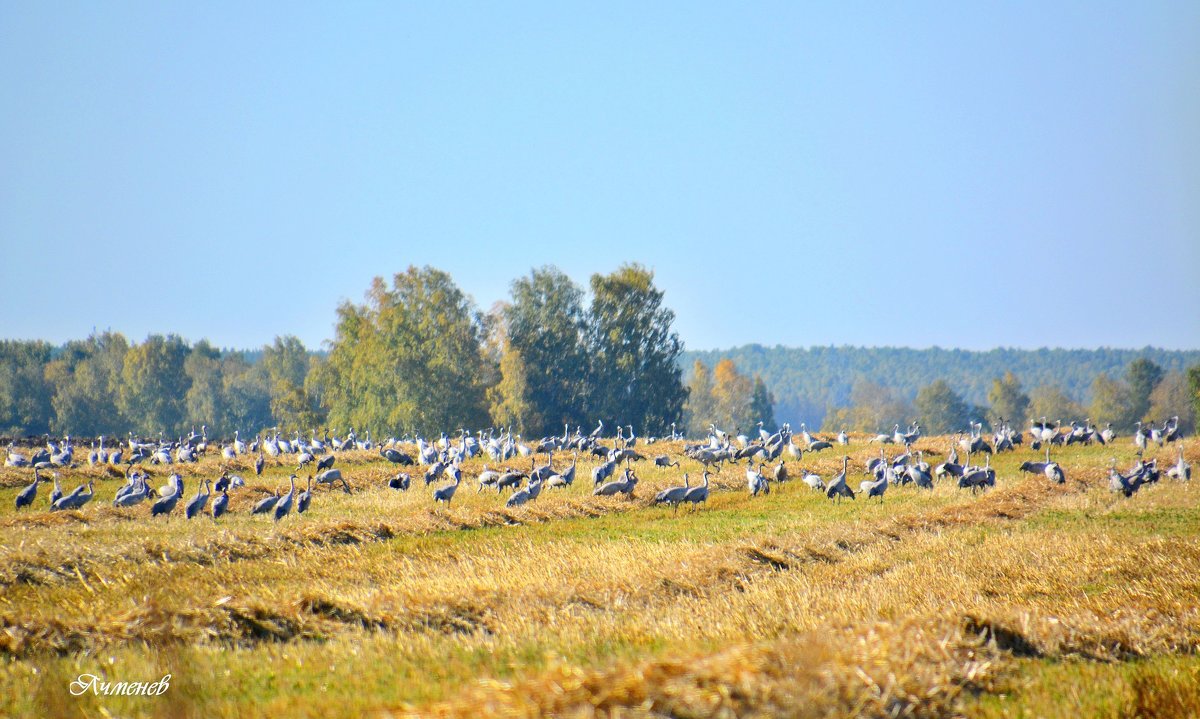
[[959, 174]]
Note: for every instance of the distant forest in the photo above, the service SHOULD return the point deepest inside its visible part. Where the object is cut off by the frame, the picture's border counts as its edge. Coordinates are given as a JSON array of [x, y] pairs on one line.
[[808, 383]]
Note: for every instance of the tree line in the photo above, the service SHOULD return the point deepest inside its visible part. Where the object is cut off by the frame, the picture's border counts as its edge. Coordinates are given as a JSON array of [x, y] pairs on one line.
[[1145, 392], [416, 357], [811, 383]]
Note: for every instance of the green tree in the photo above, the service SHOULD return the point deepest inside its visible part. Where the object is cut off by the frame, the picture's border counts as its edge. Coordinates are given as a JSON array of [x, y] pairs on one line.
[[247, 397], [545, 326], [1008, 401], [410, 359], [25, 395], [762, 405], [941, 410], [507, 400], [1193, 384], [731, 398], [1142, 377], [1112, 401], [205, 398], [873, 408], [699, 411], [1052, 403], [286, 364], [154, 385], [634, 353], [1171, 398], [86, 379]]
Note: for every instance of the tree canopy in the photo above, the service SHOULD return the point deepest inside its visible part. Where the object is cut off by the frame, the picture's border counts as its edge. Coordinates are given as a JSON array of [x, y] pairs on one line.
[[634, 352], [409, 359]]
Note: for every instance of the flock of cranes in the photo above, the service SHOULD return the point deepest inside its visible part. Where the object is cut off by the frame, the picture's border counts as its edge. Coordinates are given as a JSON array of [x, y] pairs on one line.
[[613, 474]]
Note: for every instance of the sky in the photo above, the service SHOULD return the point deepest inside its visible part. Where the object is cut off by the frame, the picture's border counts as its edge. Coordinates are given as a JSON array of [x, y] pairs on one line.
[[973, 175]]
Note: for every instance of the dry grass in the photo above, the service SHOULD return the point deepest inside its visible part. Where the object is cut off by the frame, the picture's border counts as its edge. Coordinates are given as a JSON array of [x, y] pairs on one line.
[[578, 606]]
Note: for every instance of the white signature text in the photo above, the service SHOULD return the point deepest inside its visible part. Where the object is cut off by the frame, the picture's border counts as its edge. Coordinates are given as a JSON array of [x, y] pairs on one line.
[[94, 684]]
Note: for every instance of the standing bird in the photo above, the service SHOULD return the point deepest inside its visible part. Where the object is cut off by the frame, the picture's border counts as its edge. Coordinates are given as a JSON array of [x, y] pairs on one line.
[[781, 473], [166, 504], [266, 504], [837, 486], [258, 465], [56, 493], [673, 495], [284, 506], [697, 495], [1052, 471], [531, 491], [487, 477], [1181, 470], [196, 506], [875, 488], [511, 478], [332, 476], [27, 495], [401, 481], [756, 480], [220, 504], [305, 498], [625, 485], [445, 494]]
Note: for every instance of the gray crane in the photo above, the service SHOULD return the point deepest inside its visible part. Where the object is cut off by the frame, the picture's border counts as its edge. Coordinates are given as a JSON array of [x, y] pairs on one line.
[[529, 493], [196, 506], [166, 503], [875, 488], [664, 460], [284, 506], [27, 495], [395, 456], [625, 485], [1052, 470], [837, 487], [1118, 482], [976, 478], [920, 475], [602, 472], [266, 504], [333, 476], [445, 494], [220, 504], [56, 493], [813, 480], [304, 499], [488, 477], [756, 481], [781, 473], [673, 495], [510, 479], [76, 499], [697, 495], [565, 478], [1181, 470], [402, 481], [304, 458]]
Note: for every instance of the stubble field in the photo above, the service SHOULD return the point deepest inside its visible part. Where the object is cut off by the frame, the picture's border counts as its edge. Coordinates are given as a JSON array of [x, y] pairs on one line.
[[1029, 599]]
